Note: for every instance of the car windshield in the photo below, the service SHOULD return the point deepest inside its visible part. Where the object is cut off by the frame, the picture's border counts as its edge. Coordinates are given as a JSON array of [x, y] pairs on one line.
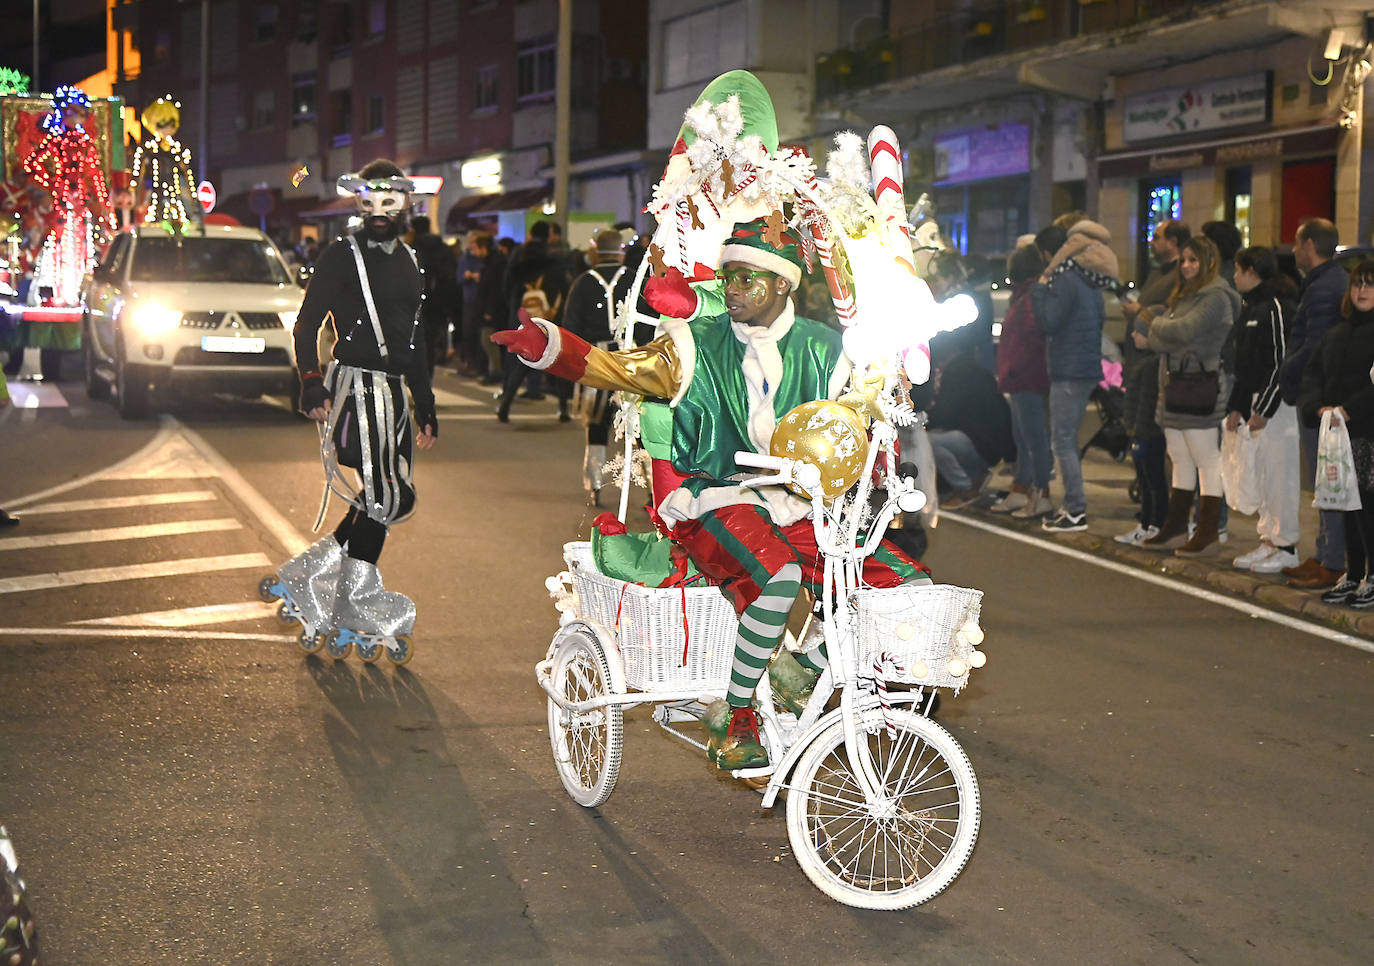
[[191, 259]]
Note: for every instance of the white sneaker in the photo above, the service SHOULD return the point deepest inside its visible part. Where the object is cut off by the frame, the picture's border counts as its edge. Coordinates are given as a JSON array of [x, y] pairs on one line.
[[1275, 562], [1012, 501], [1137, 536], [1248, 560], [1038, 503]]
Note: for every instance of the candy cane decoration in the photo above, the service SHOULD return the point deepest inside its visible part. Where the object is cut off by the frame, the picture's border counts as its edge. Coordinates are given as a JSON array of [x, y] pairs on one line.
[[845, 308], [885, 167], [886, 662]]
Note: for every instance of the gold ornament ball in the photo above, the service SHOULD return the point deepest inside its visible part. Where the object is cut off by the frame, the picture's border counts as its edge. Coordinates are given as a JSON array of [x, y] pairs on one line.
[[827, 435]]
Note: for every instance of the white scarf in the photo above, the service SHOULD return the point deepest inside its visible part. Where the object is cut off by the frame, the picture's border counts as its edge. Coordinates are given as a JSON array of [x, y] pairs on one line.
[[762, 367]]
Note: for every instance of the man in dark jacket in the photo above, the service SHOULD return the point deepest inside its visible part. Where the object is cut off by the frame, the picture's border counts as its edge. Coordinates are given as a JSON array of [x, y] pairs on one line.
[[440, 305], [970, 425], [490, 302], [1319, 308]]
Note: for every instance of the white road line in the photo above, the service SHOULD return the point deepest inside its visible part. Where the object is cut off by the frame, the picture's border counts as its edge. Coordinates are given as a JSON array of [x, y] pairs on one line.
[[443, 397], [490, 416], [142, 633], [141, 532], [116, 502], [168, 428], [1249, 610], [107, 575], [268, 515], [252, 610]]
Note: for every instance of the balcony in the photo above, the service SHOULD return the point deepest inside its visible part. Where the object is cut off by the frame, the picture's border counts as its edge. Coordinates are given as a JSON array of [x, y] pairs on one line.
[[1064, 45]]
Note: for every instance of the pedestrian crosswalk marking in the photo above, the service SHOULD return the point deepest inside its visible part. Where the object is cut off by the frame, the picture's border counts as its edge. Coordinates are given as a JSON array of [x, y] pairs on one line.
[[108, 575], [108, 534], [252, 610], [118, 502]]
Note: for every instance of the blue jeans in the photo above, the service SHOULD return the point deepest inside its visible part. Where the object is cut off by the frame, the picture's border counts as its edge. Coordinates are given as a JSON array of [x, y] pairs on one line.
[[1031, 433], [958, 466], [1068, 403]]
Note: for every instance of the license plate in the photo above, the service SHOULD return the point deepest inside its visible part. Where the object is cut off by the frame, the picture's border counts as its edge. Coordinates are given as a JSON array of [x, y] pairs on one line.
[[219, 343]]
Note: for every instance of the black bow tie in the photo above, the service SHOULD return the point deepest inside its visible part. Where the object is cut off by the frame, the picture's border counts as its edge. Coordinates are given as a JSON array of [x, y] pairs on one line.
[[388, 246]]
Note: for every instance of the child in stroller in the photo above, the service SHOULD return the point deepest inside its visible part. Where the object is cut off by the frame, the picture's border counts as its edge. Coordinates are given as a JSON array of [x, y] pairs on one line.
[[1109, 397]]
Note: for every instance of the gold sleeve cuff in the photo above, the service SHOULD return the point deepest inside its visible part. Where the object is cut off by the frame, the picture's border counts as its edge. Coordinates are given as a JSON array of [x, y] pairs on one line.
[[652, 370]]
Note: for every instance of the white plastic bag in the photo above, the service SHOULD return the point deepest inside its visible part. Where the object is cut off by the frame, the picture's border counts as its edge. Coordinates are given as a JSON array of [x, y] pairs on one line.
[[1335, 487], [1240, 470]]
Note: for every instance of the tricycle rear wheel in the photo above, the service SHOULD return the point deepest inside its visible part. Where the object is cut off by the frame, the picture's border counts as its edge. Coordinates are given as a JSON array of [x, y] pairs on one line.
[[586, 745]]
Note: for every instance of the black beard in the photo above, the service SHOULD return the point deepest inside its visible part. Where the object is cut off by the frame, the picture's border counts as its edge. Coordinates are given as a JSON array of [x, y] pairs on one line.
[[381, 228]]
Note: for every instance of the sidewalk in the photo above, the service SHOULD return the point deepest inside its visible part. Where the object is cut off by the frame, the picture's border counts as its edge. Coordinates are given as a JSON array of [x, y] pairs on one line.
[[1111, 512]]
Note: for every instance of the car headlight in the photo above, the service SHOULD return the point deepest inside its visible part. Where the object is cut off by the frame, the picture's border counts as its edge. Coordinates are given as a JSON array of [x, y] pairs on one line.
[[288, 320], [153, 319]]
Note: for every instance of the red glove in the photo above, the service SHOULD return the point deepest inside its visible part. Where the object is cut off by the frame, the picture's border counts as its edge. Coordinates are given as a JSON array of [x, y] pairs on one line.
[[528, 341], [671, 295]]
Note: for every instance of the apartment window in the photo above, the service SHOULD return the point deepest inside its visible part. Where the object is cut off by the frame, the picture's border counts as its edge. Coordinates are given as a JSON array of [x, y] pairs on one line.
[[162, 46], [265, 26], [486, 91], [341, 118], [264, 108], [303, 97], [696, 46], [534, 69], [340, 29], [376, 19], [376, 117], [307, 20]]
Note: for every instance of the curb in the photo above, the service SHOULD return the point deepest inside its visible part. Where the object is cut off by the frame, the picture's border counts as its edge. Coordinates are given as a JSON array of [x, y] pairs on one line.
[[1212, 571]]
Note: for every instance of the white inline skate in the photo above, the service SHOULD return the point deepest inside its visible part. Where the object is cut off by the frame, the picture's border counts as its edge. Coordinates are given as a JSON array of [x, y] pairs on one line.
[[305, 586], [368, 617]]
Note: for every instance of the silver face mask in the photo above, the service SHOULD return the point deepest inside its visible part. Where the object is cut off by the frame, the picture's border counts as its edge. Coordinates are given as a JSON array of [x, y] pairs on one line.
[[383, 210]]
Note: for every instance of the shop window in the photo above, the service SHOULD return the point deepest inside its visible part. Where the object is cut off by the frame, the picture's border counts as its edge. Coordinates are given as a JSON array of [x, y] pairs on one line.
[[534, 68], [1161, 201], [486, 92], [1238, 201]]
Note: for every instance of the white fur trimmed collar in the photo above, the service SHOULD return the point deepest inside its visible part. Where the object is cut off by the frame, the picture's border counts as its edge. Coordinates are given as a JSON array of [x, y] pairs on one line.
[[762, 367]]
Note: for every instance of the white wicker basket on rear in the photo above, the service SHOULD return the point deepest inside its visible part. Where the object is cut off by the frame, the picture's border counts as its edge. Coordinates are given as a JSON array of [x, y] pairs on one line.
[[917, 624], [649, 628]]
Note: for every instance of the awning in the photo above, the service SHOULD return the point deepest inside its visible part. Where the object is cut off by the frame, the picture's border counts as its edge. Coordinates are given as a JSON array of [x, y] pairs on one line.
[[484, 207], [1276, 143], [342, 205], [285, 211]]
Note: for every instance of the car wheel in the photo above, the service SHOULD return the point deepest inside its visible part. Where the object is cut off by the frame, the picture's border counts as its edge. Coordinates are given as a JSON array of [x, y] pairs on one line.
[[131, 386], [97, 387]]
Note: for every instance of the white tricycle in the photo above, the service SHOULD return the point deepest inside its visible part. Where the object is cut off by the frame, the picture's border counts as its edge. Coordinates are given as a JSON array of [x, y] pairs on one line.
[[882, 803]]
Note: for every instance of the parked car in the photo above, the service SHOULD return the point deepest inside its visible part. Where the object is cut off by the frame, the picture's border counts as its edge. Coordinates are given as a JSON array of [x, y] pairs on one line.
[[206, 308]]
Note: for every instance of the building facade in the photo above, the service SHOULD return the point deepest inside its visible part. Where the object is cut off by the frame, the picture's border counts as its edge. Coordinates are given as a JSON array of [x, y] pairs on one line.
[[301, 91]]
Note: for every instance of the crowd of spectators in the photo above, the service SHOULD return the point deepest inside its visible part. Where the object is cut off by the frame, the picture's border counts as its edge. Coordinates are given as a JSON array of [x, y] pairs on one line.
[[1220, 343]]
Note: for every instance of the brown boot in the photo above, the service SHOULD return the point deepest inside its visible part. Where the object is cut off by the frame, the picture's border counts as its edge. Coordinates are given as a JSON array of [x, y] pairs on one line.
[[1208, 516], [1175, 521]]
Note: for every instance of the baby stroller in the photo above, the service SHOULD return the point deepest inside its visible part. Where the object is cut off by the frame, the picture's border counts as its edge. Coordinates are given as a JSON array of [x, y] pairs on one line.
[[1109, 397]]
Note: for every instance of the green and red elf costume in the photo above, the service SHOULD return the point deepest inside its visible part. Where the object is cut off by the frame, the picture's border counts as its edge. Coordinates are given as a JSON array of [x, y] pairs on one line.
[[727, 383]]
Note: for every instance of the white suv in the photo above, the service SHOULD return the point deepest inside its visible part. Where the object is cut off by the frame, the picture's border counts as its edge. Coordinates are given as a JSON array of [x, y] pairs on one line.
[[209, 308]]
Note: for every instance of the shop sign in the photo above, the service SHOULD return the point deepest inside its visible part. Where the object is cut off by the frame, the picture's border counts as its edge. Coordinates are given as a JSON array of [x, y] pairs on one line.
[[977, 154], [1239, 151], [1210, 106], [484, 173]]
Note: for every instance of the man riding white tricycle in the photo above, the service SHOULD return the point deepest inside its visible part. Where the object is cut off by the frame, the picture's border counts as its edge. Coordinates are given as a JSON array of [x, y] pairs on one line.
[[882, 803]]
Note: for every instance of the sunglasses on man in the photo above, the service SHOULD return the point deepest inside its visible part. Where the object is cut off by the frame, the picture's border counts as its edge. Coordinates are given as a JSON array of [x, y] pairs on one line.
[[743, 277]]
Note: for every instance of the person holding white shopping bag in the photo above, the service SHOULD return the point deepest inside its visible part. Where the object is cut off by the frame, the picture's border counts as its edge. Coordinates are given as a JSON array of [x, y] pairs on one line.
[[1338, 391], [1269, 300]]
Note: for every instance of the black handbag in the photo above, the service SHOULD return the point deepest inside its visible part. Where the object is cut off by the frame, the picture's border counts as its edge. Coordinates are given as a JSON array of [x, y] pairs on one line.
[[1191, 392]]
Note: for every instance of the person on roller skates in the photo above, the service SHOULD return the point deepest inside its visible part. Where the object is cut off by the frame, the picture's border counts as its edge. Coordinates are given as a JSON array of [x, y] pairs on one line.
[[733, 359], [367, 287]]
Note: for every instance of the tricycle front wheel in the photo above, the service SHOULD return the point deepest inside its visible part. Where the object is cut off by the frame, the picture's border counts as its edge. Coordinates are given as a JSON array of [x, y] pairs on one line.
[[587, 744], [902, 849]]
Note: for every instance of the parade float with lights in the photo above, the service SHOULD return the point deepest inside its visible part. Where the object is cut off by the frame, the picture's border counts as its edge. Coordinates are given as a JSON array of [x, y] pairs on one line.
[[59, 153], [882, 803]]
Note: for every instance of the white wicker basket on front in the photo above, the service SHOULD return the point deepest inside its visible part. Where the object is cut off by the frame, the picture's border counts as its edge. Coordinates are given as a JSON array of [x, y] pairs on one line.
[[917, 624], [648, 625]]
